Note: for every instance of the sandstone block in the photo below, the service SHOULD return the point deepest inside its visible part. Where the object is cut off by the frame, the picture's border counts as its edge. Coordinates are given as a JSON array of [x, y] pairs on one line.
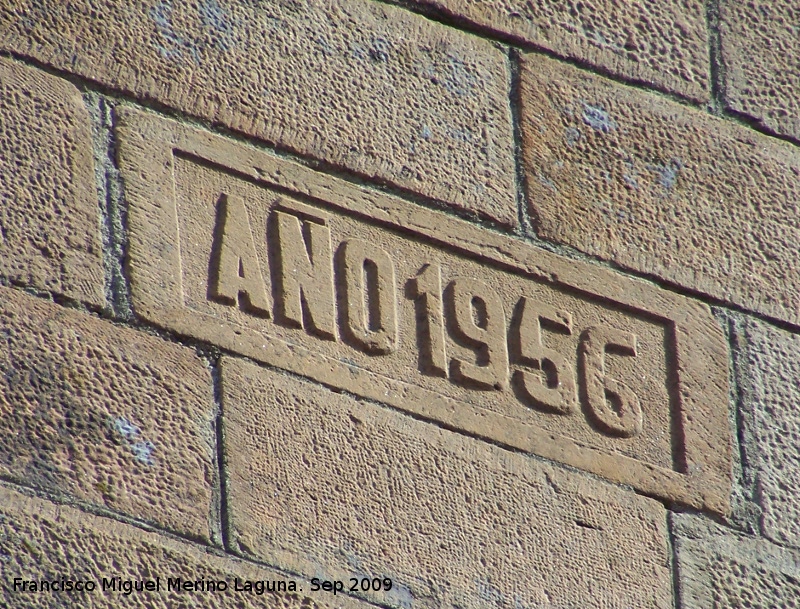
[[772, 385], [760, 46], [321, 483], [424, 312], [49, 224], [43, 541], [664, 44], [362, 85], [718, 568], [112, 416], [661, 188]]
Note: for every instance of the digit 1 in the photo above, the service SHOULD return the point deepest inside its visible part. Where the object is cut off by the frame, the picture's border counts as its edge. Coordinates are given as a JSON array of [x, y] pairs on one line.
[[427, 290]]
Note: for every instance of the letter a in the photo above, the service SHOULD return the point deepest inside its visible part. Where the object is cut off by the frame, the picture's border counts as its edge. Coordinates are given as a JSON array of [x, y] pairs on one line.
[[235, 271]]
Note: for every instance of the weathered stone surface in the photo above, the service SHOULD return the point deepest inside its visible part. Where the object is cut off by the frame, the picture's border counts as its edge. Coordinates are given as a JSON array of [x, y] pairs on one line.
[[661, 188], [760, 47], [112, 416], [771, 378], [49, 225], [370, 87], [717, 568], [40, 540], [322, 483], [660, 43], [430, 314]]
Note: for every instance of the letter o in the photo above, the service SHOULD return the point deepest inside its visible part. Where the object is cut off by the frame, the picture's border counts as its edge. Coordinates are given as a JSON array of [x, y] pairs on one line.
[[370, 300]]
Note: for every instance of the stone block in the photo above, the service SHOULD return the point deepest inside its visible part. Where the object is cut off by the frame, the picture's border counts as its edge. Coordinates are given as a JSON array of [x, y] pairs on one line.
[[112, 416], [771, 379], [49, 210], [661, 188], [663, 44], [718, 568], [43, 541], [760, 46], [323, 484], [362, 85]]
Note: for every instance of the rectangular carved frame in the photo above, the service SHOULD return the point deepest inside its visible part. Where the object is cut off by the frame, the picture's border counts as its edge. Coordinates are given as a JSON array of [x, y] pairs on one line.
[[147, 146]]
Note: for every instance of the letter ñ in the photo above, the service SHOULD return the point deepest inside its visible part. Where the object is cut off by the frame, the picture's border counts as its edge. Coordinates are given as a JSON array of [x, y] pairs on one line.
[[305, 274]]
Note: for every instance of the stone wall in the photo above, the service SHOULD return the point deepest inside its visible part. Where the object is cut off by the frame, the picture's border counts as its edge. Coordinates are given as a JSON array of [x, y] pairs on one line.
[[426, 304]]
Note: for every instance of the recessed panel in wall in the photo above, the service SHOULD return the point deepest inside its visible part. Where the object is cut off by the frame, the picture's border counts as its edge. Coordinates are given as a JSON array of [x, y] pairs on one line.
[[376, 296]]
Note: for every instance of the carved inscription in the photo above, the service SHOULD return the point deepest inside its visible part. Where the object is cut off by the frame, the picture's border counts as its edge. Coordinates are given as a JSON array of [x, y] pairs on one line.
[[613, 405], [304, 267], [467, 311], [360, 294], [236, 275], [375, 296], [557, 391], [370, 301], [427, 288]]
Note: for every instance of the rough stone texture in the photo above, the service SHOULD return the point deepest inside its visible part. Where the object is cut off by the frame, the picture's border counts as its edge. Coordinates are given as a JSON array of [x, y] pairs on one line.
[[40, 540], [366, 86], [664, 44], [321, 483], [663, 189], [211, 252], [112, 416], [718, 569], [49, 225], [772, 386], [760, 47]]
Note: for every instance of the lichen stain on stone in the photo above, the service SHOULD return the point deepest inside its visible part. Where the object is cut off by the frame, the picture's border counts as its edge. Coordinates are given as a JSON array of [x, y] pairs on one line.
[[631, 176], [380, 49], [547, 182], [491, 594], [217, 31], [322, 45], [667, 175], [451, 73], [400, 596], [216, 18], [572, 136], [142, 449], [461, 135], [630, 181], [47, 430], [125, 428], [352, 559], [144, 452], [597, 118], [161, 14]]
